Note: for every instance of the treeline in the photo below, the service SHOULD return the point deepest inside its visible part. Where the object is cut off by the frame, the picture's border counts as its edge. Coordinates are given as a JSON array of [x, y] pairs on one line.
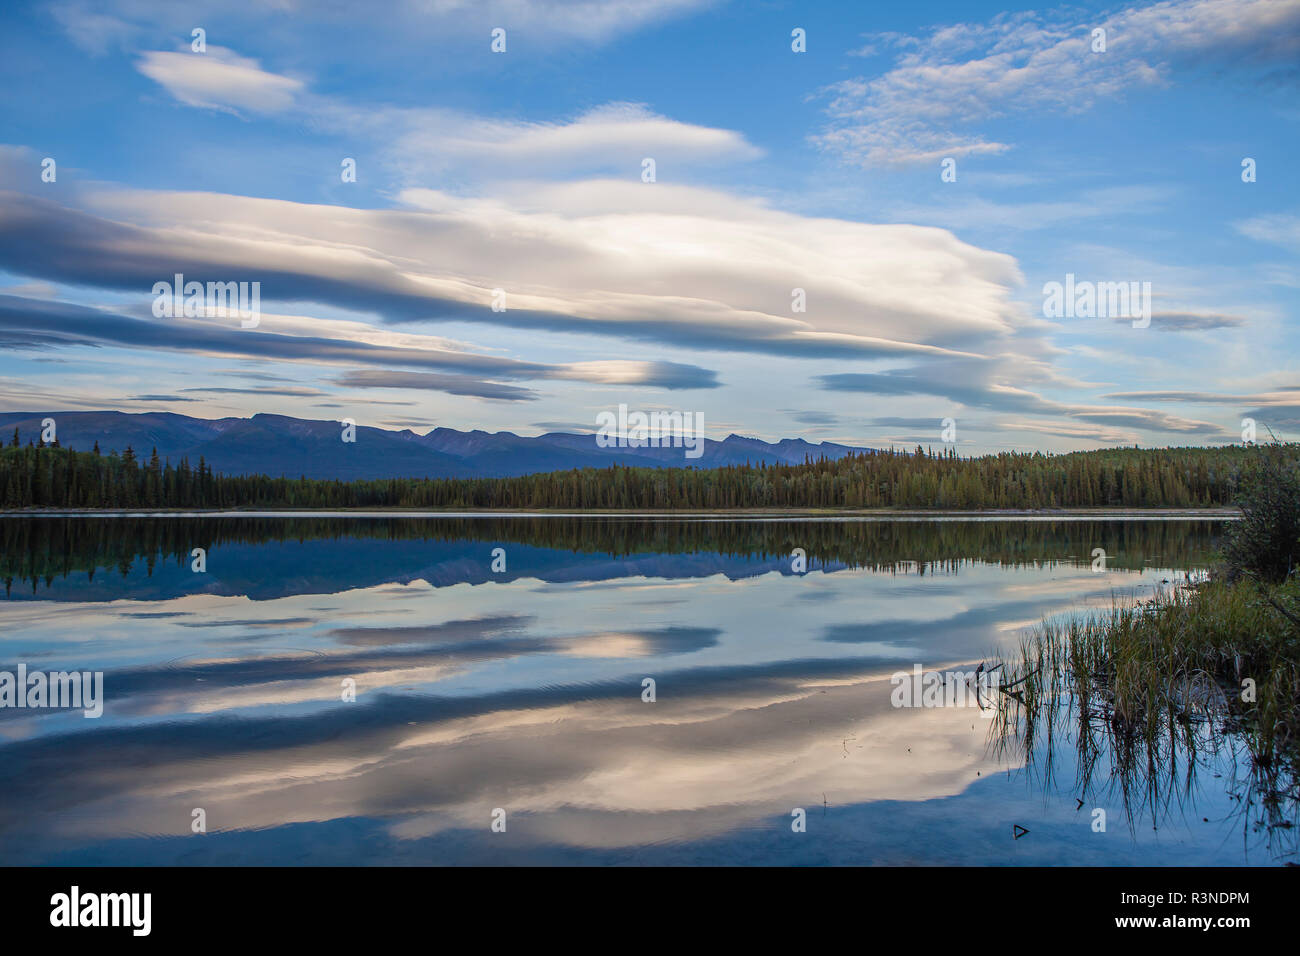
[[39, 550], [34, 476]]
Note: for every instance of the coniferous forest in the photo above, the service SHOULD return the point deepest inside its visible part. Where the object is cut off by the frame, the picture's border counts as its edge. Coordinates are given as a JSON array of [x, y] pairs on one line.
[[39, 476]]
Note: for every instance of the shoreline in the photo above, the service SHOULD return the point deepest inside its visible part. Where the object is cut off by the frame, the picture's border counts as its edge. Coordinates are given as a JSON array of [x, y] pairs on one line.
[[1061, 514]]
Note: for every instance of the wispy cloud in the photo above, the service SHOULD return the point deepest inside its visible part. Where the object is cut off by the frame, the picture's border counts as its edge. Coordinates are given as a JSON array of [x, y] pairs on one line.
[[948, 81], [99, 25], [1189, 321], [973, 386], [437, 382], [29, 322], [1281, 229]]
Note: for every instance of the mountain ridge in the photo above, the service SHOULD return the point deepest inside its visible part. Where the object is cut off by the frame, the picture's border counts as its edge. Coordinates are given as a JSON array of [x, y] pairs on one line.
[[282, 445]]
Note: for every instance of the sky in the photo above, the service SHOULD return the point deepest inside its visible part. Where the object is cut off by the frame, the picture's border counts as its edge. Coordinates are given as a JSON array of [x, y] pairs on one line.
[[836, 221]]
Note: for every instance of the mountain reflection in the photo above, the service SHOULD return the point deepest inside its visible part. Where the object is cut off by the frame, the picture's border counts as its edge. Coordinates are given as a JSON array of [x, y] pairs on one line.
[[265, 557]]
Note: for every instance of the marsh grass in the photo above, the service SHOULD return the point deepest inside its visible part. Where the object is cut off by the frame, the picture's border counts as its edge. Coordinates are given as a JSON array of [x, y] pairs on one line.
[[1151, 692]]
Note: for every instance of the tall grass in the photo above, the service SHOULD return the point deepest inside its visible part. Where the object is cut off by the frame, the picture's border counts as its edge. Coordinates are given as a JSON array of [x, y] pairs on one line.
[[1148, 692]]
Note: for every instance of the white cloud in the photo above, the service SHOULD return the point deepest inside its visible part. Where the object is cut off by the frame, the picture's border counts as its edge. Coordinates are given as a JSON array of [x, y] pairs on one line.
[[594, 20], [220, 79], [979, 213], [99, 25], [91, 29], [425, 142], [1282, 229], [682, 266], [924, 107], [1079, 430], [428, 143]]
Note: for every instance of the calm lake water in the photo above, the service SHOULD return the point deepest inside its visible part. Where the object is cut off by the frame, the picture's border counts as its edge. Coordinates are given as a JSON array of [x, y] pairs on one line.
[[484, 693]]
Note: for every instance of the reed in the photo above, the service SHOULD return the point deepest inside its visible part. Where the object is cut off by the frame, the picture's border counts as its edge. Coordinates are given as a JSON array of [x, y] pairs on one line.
[[1149, 690]]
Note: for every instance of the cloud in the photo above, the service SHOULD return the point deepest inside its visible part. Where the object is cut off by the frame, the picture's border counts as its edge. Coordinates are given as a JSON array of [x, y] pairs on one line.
[[1108, 435], [439, 382], [1282, 229], [813, 417], [980, 213], [946, 82], [566, 427], [1280, 408], [1282, 416], [297, 392], [680, 266], [426, 143], [1282, 396], [61, 324], [894, 421], [249, 374], [220, 79], [443, 29], [91, 29], [1189, 321], [973, 384], [1143, 418], [595, 20], [38, 290], [980, 385], [671, 375]]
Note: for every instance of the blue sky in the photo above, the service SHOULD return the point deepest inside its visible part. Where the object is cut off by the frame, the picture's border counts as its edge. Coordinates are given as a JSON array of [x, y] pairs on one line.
[[774, 170]]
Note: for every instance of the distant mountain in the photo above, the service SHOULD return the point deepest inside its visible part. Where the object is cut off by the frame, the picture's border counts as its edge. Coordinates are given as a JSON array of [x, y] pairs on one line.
[[279, 445]]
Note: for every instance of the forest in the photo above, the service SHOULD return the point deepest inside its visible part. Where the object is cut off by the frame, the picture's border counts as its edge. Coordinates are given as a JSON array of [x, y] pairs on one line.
[[41, 476]]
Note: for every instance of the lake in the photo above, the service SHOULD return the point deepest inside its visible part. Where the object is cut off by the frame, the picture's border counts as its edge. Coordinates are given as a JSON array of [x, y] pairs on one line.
[[569, 690]]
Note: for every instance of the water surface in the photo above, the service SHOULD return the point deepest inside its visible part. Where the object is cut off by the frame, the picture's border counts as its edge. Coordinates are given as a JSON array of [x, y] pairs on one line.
[[518, 692]]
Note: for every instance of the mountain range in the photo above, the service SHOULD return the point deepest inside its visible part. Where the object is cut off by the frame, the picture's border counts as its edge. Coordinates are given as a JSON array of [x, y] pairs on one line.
[[280, 445]]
